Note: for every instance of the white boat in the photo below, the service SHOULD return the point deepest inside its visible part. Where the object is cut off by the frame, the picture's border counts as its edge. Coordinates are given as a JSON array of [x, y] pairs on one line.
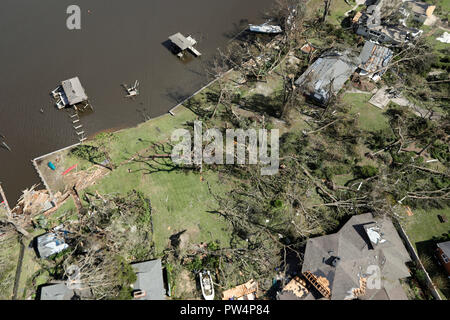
[[207, 285], [266, 28]]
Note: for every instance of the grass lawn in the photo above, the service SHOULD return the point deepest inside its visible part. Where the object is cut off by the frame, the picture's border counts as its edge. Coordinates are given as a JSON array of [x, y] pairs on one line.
[[9, 255], [337, 10], [180, 200], [370, 118], [421, 228], [424, 225]]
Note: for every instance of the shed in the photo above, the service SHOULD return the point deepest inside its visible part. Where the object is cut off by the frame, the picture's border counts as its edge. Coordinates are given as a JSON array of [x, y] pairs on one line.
[[149, 280], [57, 291]]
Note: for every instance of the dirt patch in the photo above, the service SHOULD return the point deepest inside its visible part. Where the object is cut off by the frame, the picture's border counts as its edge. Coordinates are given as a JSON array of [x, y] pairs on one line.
[[57, 181], [186, 286]]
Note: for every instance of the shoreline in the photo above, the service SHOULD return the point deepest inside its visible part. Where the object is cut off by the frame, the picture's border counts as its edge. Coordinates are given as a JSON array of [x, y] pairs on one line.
[[170, 113]]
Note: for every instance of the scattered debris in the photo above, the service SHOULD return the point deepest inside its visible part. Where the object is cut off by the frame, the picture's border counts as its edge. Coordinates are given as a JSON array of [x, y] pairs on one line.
[[246, 291], [445, 37]]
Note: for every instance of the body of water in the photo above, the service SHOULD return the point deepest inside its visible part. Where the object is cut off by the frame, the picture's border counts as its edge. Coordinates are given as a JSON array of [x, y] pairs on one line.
[[119, 42]]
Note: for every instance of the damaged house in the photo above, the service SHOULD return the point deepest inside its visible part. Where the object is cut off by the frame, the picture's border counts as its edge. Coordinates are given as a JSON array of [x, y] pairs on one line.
[[364, 260], [420, 11], [51, 243], [370, 25], [326, 76], [374, 60]]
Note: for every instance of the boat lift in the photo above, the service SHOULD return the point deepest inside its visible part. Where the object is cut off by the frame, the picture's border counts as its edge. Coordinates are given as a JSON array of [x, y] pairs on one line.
[[132, 91]]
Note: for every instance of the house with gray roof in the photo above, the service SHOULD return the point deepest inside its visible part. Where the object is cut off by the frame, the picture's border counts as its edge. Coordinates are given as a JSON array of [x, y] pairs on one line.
[[364, 260], [58, 291], [149, 284], [65, 291], [74, 91], [327, 75]]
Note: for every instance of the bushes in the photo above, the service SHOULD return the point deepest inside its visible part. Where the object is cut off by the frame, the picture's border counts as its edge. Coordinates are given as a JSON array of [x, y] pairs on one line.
[[441, 151], [365, 172], [89, 153]]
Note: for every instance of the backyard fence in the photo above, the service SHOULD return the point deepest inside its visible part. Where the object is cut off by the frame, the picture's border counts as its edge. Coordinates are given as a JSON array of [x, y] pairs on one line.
[[415, 257]]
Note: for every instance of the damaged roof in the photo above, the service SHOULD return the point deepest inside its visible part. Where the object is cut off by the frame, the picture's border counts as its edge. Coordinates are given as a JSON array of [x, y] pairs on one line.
[[421, 8], [295, 290], [329, 72], [241, 291], [50, 244], [345, 257], [374, 57]]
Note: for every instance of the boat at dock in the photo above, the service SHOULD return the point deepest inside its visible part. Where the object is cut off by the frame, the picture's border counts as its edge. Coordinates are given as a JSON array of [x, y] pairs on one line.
[[266, 28], [207, 285]]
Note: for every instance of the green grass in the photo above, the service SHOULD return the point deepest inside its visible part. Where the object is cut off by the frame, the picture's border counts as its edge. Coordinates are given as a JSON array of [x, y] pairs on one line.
[[180, 200], [424, 225], [9, 255], [371, 118], [421, 228], [337, 10]]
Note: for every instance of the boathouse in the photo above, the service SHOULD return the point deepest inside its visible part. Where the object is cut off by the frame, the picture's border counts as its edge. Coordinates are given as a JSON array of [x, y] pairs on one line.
[[69, 93], [184, 43], [74, 91]]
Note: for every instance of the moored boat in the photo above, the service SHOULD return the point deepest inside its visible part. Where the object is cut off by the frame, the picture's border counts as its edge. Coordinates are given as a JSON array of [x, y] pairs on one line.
[[265, 28]]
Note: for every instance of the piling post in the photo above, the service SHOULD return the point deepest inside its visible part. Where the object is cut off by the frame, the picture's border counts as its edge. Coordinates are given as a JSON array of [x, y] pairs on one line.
[[8, 209]]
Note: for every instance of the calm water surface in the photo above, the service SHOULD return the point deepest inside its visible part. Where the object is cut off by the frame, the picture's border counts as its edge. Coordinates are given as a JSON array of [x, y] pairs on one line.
[[120, 42]]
